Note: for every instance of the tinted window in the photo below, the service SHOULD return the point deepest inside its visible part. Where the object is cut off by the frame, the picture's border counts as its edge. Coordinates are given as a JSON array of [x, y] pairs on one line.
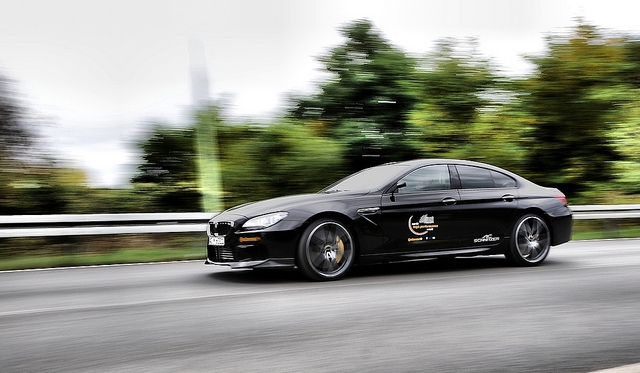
[[477, 177], [474, 177], [425, 179], [373, 178], [502, 180]]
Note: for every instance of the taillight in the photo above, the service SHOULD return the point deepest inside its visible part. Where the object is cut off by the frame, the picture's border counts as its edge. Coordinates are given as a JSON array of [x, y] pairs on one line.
[[563, 199]]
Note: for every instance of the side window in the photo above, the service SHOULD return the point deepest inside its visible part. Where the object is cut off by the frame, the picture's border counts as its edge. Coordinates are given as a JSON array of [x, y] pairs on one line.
[[425, 179], [502, 180], [474, 177], [477, 178]]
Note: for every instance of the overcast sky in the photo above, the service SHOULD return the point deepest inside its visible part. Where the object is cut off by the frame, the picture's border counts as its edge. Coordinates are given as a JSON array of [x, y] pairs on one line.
[[98, 70]]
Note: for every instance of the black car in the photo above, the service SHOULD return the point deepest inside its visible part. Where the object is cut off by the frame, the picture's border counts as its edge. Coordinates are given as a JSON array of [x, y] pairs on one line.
[[393, 212]]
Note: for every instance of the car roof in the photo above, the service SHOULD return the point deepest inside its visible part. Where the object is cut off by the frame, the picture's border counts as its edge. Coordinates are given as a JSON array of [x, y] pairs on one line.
[[430, 161], [416, 163]]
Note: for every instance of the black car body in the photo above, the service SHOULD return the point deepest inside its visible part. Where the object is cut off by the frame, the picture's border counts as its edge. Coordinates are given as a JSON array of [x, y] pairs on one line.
[[393, 212]]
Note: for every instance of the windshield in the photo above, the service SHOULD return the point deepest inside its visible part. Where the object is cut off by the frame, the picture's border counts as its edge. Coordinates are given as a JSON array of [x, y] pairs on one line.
[[370, 179]]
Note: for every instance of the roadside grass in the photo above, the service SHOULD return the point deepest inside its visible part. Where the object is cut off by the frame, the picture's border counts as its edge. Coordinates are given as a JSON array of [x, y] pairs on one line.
[[605, 229], [124, 256], [34, 253]]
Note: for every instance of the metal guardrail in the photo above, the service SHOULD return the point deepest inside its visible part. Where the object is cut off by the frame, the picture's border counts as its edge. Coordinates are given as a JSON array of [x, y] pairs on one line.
[[597, 212], [13, 226]]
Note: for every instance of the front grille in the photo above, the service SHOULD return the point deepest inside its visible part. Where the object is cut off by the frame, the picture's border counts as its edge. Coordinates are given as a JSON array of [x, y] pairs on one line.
[[220, 228]]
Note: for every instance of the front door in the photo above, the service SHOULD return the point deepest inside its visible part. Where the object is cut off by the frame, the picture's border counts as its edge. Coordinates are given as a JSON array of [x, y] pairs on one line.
[[422, 213]]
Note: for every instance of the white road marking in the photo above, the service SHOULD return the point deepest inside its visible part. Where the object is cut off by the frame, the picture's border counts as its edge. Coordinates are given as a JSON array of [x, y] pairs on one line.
[[633, 368]]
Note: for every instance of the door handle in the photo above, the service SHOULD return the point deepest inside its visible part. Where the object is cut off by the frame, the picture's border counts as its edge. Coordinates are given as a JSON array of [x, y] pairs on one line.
[[449, 201], [508, 198]]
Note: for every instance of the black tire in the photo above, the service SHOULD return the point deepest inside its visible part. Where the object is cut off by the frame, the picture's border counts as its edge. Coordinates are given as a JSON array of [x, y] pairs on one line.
[[326, 250], [530, 241]]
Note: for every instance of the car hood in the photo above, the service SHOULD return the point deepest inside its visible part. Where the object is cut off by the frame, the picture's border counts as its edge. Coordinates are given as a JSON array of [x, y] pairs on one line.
[[288, 203]]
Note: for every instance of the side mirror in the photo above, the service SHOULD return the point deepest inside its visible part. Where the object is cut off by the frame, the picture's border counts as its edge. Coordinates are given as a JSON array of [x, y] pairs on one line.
[[394, 190]]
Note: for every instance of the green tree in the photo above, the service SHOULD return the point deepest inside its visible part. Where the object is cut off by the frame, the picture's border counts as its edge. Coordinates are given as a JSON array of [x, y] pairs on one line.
[[453, 79], [625, 139], [456, 86], [626, 128], [366, 101], [14, 132], [572, 96], [284, 158], [631, 69], [168, 170], [28, 181]]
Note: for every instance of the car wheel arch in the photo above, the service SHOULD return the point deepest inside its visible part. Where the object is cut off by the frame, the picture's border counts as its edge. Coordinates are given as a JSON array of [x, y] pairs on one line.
[[340, 217], [535, 211], [513, 250], [334, 250]]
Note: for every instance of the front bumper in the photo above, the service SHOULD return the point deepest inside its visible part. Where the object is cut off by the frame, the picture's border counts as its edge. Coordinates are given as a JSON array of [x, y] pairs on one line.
[[269, 248]]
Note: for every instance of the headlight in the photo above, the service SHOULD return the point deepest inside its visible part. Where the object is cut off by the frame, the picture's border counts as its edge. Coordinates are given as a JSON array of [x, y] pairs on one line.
[[264, 221]]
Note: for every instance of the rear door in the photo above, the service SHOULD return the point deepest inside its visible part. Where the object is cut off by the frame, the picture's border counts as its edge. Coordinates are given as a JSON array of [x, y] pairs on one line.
[[422, 213], [488, 203]]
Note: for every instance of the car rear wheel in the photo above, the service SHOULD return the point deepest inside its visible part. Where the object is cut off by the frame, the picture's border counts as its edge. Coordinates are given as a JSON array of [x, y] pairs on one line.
[[326, 250], [530, 241]]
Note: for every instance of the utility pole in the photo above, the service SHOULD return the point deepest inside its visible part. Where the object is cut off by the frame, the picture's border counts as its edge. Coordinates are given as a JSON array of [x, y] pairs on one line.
[[206, 134]]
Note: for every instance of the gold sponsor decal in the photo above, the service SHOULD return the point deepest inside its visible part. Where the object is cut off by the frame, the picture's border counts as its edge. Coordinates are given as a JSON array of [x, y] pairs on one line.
[[424, 225], [416, 239], [249, 239]]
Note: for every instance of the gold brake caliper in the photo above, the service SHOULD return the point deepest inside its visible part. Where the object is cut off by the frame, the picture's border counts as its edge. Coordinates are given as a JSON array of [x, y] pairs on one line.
[[340, 251]]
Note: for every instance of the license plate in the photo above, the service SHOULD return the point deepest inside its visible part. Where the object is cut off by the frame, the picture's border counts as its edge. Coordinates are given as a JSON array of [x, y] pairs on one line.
[[216, 241]]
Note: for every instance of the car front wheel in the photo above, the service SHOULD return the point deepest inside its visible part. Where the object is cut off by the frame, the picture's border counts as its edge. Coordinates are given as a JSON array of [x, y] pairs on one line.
[[530, 241], [326, 250]]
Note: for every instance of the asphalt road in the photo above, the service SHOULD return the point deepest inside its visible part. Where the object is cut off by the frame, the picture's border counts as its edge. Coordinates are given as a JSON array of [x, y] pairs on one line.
[[578, 312]]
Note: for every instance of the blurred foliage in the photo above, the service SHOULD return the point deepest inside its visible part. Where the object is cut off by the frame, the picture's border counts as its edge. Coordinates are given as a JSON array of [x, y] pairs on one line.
[[572, 123], [168, 175], [14, 127], [287, 157], [455, 85], [366, 101], [575, 98], [46, 252], [26, 184], [452, 80]]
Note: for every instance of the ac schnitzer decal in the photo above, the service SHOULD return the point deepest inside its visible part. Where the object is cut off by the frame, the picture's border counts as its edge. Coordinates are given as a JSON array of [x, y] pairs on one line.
[[423, 225], [486, 238]]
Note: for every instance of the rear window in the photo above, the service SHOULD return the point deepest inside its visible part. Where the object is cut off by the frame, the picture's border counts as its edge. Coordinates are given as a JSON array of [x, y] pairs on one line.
[[478, 178], [475, 177], [503, 181]]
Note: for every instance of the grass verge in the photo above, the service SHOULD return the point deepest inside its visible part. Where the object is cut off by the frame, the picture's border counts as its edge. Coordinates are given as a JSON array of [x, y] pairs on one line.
[[124, 256], [605, 229]]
